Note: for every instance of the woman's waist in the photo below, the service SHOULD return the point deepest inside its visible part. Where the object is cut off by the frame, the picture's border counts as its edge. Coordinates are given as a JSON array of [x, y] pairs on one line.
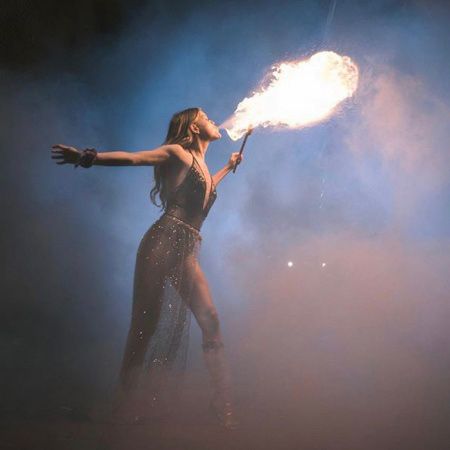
[[169, 220], [169, 234], [190, 218]]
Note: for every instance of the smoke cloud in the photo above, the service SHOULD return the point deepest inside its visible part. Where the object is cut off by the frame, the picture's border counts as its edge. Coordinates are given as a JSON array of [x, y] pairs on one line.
[[346, 349]]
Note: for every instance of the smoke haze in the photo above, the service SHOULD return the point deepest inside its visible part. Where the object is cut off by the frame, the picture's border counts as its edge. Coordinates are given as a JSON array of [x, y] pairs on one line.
[[346, 349]]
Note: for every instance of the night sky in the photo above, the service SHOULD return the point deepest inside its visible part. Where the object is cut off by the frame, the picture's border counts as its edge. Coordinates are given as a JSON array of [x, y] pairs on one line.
[[356, 331]]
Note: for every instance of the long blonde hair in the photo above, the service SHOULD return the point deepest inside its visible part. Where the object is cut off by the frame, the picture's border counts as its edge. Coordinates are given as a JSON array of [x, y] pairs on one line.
[[178, 133]]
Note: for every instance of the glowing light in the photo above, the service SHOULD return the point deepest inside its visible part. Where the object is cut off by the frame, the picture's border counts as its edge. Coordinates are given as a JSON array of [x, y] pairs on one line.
[[296, 94], [290, 263], [324, 264]]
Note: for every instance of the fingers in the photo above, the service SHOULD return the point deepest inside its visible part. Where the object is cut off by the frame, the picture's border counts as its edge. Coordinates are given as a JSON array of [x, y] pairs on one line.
[[59, 153], [236, 159], [62, 147]]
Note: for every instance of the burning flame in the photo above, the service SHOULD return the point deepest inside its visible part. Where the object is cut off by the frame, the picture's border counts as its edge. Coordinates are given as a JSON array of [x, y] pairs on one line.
[[297, 94]]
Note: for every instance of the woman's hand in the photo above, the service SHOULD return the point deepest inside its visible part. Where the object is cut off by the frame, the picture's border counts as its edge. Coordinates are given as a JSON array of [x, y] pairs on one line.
[[65, 154], [235, 160]]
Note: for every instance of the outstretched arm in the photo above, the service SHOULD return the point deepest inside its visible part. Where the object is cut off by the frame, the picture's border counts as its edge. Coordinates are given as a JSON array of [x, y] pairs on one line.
[[235, 159], [70, 155]]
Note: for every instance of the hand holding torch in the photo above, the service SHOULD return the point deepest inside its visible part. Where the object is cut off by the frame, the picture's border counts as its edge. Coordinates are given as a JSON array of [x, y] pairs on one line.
[[249, 132]]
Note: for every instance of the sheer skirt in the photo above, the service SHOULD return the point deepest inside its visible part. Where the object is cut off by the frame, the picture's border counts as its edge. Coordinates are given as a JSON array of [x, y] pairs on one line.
[[157, 344]]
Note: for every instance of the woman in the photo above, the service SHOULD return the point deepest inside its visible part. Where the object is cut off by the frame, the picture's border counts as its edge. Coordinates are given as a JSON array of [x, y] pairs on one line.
[[168, 278]]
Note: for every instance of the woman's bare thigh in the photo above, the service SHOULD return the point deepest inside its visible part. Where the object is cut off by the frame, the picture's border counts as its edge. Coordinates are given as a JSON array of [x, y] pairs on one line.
[[196, 293]]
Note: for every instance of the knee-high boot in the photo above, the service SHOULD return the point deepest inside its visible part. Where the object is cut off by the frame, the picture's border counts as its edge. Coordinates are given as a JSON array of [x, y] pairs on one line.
[[217, 365]]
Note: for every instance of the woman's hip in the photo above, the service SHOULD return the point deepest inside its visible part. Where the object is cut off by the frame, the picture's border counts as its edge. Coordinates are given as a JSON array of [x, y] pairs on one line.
[[167, 239]]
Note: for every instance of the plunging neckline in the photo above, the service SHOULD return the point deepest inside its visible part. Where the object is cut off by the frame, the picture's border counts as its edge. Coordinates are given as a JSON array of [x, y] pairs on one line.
[[205, 203], [202, 174]]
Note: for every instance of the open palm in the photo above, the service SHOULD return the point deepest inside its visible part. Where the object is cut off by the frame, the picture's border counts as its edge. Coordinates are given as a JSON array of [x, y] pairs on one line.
[[65, 154]]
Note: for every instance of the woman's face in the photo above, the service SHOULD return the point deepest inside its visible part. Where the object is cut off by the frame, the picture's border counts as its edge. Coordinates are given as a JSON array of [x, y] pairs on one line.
[[208, 130]]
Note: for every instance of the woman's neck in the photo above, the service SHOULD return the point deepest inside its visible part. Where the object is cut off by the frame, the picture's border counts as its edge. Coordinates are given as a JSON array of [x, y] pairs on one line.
[[199, 147]]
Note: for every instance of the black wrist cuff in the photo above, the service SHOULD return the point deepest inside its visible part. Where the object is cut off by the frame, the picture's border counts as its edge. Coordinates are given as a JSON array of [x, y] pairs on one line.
[[87, 158]]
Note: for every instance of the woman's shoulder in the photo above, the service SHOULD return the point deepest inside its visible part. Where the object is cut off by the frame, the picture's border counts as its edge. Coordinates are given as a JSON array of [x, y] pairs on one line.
[[179, 153]]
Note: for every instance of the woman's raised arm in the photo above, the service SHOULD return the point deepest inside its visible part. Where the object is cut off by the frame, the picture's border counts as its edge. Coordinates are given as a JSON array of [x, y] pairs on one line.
[[235, 159], [70, 155]]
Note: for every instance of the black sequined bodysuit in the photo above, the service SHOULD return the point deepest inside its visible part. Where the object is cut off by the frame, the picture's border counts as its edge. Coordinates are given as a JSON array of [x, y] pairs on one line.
[[163, 281], [186, 203]]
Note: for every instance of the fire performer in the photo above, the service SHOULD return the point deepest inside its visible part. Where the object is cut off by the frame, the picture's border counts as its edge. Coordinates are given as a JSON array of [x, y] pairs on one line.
[[167, 266]]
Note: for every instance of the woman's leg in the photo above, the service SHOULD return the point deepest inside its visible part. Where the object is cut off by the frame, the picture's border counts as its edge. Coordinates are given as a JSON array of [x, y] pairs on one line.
[[196, 292], [152, 266], [144, 318], [148, 289]]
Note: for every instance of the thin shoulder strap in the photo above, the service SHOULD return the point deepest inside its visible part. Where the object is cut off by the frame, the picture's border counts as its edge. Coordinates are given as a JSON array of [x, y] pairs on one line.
[[193, 157], [186, 175], [203, 173]]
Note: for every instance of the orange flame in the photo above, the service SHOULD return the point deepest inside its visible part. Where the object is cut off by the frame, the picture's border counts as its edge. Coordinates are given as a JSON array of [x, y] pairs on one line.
[[298, 94]]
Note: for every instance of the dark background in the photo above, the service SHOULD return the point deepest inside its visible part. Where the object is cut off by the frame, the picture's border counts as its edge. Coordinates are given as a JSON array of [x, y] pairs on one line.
[[356, 332]]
